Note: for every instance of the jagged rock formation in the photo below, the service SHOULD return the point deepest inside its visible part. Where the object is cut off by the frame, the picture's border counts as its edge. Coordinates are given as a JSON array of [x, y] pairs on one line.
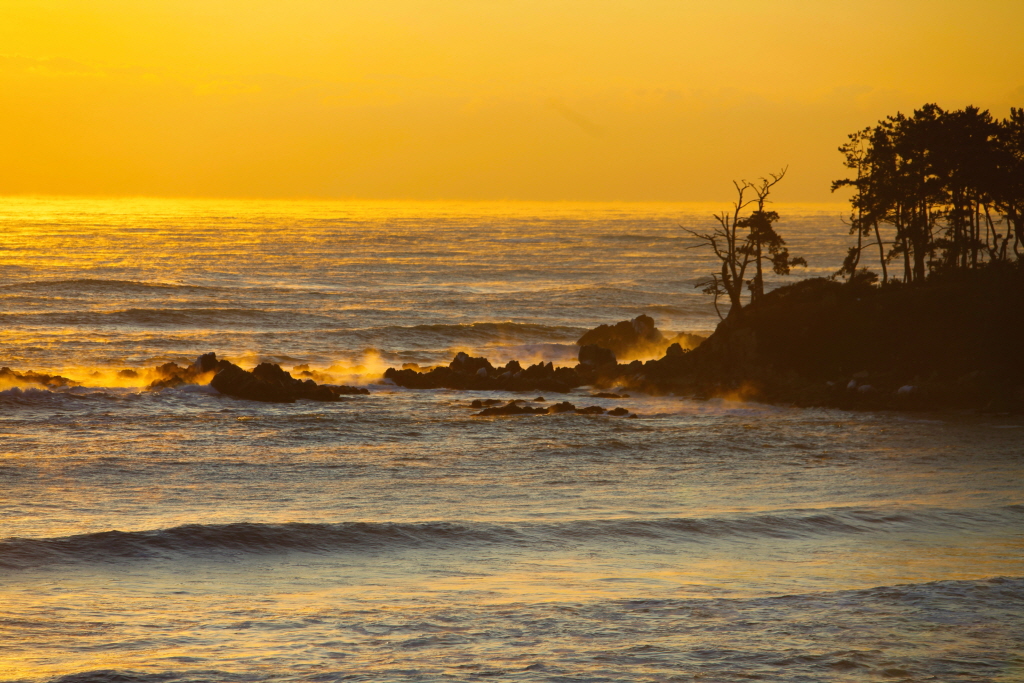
[[267, 382], [519, 407], [597, 363], [471, 373], [635, 338], [30, 377]]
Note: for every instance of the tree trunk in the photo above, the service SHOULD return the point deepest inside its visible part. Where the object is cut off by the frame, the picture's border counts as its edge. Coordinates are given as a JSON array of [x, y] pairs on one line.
[[881, 254], [757, 289], [908, 272]]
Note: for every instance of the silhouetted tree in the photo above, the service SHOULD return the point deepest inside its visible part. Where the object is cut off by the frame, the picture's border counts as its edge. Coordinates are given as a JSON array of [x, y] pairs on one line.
[[729, 245], [738, 242], [763, 240], [863, 215], [1009, 192], [949, 183]]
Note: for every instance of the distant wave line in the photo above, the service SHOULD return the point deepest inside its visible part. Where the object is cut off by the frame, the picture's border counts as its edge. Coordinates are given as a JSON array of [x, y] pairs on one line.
[[248, 537]]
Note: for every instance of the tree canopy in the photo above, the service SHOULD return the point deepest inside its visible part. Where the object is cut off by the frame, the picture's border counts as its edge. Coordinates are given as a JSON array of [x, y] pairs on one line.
[[936, 191]]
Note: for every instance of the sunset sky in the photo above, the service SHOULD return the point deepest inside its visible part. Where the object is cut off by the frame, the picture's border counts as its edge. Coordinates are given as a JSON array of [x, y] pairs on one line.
[[475, 99]]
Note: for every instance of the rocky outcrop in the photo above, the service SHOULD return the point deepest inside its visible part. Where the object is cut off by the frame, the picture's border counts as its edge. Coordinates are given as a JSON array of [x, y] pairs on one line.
[[30, 377], [170, 375], [267, 382], [953, 341], [634, 338], [519, 407], [470, 373], [596, 356]]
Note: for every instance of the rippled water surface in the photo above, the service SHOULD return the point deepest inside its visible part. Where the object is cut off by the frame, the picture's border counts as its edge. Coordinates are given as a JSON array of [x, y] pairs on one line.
[[180, 535]]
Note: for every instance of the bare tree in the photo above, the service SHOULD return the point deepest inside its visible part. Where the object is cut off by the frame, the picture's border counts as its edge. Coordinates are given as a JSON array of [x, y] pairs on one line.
[[729, 245], [737, 242]]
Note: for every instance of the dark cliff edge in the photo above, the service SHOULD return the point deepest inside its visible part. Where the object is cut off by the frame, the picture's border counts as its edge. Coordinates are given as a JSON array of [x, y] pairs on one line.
[[954, 341]]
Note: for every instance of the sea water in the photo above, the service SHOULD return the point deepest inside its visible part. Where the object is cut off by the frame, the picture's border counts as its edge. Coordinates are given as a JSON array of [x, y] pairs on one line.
[[181, 535]]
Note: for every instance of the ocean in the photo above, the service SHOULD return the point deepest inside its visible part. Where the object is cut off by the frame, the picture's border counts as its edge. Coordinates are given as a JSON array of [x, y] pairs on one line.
[[182, 535]]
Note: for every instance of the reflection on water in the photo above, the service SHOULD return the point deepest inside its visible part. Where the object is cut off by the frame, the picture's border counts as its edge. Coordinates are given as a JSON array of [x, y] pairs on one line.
[[133, 282], [183, 535]]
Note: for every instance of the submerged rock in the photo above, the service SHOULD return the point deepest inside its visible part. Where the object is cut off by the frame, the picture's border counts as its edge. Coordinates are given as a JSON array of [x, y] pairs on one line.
[[563, 407], [511, 408], [591, 410], [484, 403], [518, 407]]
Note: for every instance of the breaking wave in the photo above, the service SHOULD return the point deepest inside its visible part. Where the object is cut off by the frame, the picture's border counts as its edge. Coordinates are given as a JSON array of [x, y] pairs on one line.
[[246, 537]]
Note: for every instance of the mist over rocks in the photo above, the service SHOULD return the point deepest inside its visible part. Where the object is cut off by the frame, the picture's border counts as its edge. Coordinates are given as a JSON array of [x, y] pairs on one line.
[[267, 382], [13, 378], [635, 338], [598, 364]]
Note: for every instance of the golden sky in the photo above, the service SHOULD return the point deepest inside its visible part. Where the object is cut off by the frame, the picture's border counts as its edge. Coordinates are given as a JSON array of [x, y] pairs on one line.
[[475, 99]]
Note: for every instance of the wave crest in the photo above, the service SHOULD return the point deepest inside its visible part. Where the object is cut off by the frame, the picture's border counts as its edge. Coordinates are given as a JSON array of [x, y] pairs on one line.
[[251, 537]]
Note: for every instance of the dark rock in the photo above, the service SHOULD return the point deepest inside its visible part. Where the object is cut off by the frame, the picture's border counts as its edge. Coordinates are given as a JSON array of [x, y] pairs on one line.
[[128, 373], [623, 337], [484, 403], [563, 407], [605, 394], [636, 337], [269, 383], [476, 374], [818, 342], [591, 410], [170, 369], [465, 363], [596, 356], [32, 377], [511, 408], [618, 412], [206, 362], [173, 375], [234, 381]]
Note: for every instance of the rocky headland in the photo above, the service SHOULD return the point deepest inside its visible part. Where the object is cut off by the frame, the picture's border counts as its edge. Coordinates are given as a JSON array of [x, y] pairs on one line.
[[955, 341]]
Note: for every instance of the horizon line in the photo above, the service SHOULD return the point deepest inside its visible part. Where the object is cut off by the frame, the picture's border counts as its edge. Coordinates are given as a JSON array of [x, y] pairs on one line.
[[394, 200]]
